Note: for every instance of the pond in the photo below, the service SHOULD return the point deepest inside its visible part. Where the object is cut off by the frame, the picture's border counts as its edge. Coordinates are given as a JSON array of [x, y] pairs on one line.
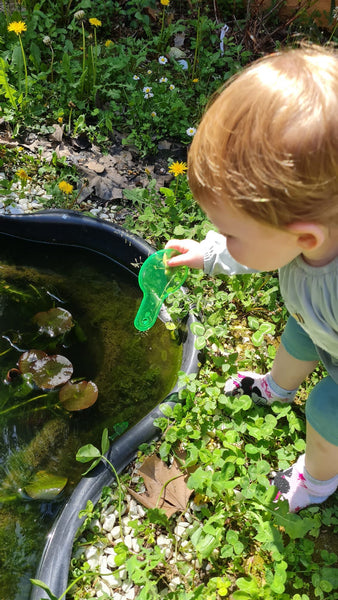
[[40, 433]]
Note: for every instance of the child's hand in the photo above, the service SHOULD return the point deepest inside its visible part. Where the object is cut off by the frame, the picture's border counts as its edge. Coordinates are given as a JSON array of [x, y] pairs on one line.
[[190, 254]]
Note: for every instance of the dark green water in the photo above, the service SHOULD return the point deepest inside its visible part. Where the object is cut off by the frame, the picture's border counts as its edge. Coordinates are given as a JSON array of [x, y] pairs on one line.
[[133, 372]]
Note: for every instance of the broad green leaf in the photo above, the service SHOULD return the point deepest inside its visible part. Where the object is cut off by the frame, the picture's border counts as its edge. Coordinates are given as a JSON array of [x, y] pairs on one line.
[[105, 441], [197, 328], [45, 486], [87, 453]]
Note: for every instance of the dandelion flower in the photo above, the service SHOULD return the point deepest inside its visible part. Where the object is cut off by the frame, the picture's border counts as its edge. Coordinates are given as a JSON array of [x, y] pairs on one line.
[[146, 89], [136, 77], [177, 168], [79, 15], [109, 43], [191, 131], [165, 2], [95, 22], [163, 79], [153, 114], [162, 60], [46, 40], [21, 173], [195, 80], [171, 86], [17, 26], [65, 187]]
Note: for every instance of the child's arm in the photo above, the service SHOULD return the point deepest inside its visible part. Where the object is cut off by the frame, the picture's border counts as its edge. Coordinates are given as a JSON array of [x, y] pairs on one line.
[[211, 255], [190, 254]]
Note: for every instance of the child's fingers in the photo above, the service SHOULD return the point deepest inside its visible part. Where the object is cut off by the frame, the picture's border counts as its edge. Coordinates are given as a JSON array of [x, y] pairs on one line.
[[180, 245], [189, 254]]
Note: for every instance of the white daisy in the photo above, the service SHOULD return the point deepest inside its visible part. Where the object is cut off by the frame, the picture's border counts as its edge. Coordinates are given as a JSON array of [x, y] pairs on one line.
[[136, 77], [148, 95], [191, 131], [162, 60], [163, 79], [171, 87], [146, 89]]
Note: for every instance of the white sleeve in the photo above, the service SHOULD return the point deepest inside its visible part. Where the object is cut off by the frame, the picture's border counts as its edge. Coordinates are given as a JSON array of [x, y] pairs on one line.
[[217, 258]]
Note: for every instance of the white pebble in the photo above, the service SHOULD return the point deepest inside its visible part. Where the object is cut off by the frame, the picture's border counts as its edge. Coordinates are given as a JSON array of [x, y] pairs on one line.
[[111, 561], [115, 532], [109, 522], [175, 581], [128, 541], [163, 540], [113, 580], [102, 588]]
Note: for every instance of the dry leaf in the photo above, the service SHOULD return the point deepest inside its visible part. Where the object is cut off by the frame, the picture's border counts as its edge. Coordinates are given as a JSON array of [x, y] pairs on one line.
[[93, 165], [56, 136], [165, 487]]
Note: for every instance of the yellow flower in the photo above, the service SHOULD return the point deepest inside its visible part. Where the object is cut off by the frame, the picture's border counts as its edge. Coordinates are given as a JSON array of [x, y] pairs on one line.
[[109, 43], [195, 80], [65, 187], [177, 168], [60, 119], [17, 26], [95, 22], [21, 173], [165, 2]]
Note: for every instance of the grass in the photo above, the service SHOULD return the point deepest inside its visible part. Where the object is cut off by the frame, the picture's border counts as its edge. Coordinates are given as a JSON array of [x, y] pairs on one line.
[[118, 68]]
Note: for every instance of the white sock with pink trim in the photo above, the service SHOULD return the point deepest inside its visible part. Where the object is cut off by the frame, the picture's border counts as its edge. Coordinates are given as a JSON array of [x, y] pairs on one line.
[[300, 489], [261, 388]]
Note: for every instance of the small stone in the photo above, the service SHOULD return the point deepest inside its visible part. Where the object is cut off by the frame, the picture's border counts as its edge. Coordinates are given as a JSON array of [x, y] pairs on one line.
[[109, 522], [115, 532], [128, 541], [111, 561]]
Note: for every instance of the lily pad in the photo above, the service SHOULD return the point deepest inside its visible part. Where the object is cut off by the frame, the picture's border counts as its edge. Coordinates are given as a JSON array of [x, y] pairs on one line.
[[78, 396], [47, 371], [28, 358], [45, 486], [54, 321]]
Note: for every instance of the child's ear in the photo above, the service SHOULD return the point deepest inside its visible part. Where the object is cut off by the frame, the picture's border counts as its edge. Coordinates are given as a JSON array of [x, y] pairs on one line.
[[310, 236]]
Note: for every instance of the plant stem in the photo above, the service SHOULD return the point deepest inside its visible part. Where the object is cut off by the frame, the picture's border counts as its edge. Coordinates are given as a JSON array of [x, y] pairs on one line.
[[119, 492], [198, 32], [25, 65], [162, 28], [3, 412], [83, 56]]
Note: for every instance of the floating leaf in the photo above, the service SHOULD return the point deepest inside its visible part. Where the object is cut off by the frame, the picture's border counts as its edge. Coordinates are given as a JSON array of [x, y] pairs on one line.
[[28, 358], [45, 486], [54, 322], [77, 396], [51, 371]]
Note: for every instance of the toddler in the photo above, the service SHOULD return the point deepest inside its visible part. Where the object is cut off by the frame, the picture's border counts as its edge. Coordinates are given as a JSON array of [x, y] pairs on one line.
[[263, 166]]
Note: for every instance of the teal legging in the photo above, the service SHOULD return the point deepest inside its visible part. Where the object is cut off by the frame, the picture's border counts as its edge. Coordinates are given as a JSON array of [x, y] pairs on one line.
[[322, 404]]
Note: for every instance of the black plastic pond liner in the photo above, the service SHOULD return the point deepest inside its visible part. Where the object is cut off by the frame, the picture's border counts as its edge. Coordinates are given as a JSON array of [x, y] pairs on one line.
[[71, 228]]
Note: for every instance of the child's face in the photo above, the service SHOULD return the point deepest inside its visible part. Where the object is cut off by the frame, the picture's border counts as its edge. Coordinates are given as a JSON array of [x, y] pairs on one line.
[[252, 243]]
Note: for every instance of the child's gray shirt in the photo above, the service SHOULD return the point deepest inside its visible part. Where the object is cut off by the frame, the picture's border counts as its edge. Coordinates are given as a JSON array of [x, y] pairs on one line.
[[310, 294]]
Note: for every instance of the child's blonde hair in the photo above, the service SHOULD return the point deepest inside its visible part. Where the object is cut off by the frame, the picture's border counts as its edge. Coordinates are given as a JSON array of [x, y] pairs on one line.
[[268, 144]]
